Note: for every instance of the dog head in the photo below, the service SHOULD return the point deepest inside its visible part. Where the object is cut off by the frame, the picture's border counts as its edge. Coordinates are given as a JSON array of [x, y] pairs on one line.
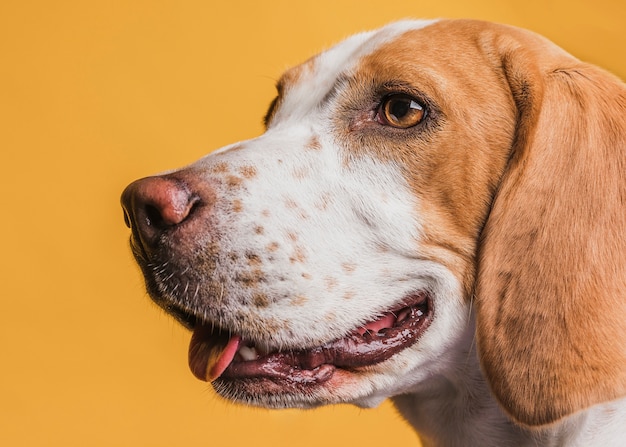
[[404, 174]]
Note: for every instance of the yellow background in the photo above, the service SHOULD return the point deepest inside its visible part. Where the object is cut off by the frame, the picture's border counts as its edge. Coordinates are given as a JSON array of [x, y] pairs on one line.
[[94, 94]]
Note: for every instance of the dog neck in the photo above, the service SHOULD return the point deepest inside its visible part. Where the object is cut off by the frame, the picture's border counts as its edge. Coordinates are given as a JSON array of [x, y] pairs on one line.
[[458, 409]]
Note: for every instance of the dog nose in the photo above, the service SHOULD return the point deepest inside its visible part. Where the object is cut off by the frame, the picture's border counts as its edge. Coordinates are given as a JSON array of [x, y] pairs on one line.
[[153, 205]]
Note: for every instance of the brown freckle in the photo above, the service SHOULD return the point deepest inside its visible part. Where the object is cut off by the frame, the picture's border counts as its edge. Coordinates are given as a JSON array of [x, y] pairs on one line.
[[260, 300], [348, 295], [220, 168], [253, 260], [314, 144], [290, 203], [298, 255], [299, 300], [292, 236], [301, 173], [259, 230], [348, 267], [237, 206], [252, 278], [331, 283], [233, 181], [265, 213], [331, 316], [248, 171], [324, 201], [306, 276], [273, 246]]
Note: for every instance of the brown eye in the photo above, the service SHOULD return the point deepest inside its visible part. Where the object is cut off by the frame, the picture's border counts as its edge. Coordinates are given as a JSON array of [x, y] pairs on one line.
[[401, 111]]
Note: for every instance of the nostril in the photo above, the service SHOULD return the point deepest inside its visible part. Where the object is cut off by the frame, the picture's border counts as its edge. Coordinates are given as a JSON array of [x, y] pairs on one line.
[[154, 218], [163, 217]]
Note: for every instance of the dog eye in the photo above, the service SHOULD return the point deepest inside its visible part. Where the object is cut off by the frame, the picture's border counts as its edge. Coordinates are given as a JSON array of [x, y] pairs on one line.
[[400, 111]]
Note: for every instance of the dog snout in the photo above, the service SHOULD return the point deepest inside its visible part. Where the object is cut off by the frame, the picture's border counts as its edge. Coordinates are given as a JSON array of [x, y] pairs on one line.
[[154, 206]]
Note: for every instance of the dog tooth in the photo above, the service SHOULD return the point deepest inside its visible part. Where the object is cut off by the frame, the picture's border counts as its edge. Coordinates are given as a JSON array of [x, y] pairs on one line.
[[248, 353]]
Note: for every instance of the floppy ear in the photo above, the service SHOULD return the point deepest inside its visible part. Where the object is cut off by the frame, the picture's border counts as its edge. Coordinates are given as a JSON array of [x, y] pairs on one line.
[[551, 285]]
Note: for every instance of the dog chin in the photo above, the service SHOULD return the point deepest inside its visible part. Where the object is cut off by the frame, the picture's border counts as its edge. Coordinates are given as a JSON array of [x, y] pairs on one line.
[[343, 388]]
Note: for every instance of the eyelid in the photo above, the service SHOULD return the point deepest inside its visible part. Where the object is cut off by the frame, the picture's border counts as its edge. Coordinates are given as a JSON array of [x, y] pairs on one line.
[[390, 88]]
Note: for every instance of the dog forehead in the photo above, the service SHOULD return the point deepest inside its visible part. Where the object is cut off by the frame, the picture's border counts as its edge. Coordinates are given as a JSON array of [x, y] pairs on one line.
[[305, 86]]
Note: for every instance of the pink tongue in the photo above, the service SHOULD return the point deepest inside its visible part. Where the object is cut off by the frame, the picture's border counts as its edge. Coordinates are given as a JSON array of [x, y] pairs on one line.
[[210, 353]]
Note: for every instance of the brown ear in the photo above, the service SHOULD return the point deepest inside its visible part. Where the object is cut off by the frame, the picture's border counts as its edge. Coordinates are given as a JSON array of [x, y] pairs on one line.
[[551, 286]]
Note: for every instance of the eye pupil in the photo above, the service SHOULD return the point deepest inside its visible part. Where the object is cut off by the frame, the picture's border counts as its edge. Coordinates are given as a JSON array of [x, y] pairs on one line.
[[401, 111], [399, 108]]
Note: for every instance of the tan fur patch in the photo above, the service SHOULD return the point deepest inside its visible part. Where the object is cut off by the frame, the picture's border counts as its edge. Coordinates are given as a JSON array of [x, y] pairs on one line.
[[220, 168], [325, 200], [331, 283], [348, 267], [254, 260], [301, 173], [290, 203], [248, 171], [314, 144], [234, 181], [299, 300], [260, 300], [237, 206], [251, 278], [298, 255]]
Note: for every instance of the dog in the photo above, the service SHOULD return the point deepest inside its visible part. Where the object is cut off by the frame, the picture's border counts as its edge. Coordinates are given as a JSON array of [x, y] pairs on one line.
[[436, 214]]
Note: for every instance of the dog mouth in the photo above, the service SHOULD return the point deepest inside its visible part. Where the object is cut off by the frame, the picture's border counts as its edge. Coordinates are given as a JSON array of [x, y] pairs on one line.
[[216, 355]]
